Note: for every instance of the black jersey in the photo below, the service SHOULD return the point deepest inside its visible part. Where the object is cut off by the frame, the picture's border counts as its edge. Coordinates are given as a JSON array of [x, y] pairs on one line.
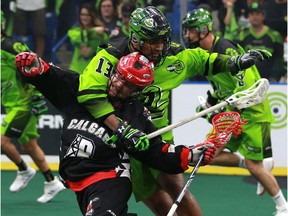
[[270, 40], [84, 156]]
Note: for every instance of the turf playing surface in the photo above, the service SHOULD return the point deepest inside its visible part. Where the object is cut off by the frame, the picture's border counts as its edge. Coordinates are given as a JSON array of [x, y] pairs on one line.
[[218, 195]]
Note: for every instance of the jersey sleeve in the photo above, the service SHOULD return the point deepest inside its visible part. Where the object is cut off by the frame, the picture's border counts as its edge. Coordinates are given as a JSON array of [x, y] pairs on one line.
[[93, 84], [172, 159], [202, 63]]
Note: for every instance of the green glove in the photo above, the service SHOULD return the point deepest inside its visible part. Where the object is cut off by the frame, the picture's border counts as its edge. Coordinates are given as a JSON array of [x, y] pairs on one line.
[[38, 104], [248, 59], [129, 138]]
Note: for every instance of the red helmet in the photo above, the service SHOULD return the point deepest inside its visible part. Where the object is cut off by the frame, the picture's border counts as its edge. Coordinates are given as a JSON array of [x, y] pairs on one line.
[[136, 69]]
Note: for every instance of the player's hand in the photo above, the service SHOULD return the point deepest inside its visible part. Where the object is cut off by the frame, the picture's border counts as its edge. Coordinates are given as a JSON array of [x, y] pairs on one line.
[[130, 138], [30, 64], [38, 104], [246, 60], [207, 149]]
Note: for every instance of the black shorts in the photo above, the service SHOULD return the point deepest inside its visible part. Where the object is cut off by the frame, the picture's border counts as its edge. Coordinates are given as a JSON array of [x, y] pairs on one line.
[[37, 20], [106, 198]]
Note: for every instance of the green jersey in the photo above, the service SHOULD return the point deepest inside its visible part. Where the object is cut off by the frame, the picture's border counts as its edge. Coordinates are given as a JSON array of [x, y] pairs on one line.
[[224, 84], [178, 65], [14, 93]]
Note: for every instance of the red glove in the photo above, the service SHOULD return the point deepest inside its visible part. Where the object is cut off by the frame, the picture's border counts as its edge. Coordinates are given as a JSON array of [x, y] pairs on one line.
[[30, 64], [208, 149]]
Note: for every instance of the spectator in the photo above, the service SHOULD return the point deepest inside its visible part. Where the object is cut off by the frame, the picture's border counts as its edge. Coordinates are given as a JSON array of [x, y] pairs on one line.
[[86, 37], [67, 17], [126, 10], [23, 106], [228, 20], [260, 36], [109, 16], [31, 13], [7, 8], [276, 15]]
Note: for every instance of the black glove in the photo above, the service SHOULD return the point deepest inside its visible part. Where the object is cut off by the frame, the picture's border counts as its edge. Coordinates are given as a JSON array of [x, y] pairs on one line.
[[129, 138], [246, 60], [38, 104]]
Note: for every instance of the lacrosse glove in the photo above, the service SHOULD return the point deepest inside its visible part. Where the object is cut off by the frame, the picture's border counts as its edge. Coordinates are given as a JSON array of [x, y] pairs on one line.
[[29, 64], [38, 104], [129, 138], [246, 60], [207, 149]]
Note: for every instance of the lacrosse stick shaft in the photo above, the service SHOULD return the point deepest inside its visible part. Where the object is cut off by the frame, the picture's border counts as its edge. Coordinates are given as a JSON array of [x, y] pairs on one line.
[[182, 193], [189, 119], [239, 100]]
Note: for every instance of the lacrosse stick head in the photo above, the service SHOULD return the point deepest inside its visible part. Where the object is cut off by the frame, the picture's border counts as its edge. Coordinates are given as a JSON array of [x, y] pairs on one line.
[[254, 95], [225, 124]]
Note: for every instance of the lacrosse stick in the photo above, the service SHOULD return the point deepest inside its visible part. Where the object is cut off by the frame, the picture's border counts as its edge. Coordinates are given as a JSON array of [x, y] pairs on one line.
[[224, 125], [243, 99]]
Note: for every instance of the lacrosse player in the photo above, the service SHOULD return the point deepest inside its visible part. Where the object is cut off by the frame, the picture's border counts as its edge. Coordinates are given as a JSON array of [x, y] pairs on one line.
[[255, 143], [92, 163], [23, 105], [150, 33]]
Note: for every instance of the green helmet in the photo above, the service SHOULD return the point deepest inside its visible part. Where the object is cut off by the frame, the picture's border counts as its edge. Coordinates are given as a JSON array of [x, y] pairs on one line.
[[148, 23], [200, 19]]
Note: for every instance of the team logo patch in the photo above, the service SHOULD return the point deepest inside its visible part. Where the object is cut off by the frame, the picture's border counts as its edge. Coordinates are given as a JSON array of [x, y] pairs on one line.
[[163, 32], [149, 22], [18, 47], [177, 67]]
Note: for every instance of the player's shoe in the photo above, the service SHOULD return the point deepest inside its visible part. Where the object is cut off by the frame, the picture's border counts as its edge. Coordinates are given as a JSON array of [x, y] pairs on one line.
[[22, 179], [281, 211], [51, 189], [268, 164]]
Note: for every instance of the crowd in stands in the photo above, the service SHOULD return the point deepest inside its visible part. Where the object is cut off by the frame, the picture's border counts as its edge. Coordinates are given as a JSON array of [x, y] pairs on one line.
[[88, 23]]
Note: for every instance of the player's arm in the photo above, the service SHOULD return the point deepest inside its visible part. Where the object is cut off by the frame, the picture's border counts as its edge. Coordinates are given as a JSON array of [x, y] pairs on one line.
[[203, 63], [94, 99], [174, 159], [238, 63], [170, 158], [57, 85]]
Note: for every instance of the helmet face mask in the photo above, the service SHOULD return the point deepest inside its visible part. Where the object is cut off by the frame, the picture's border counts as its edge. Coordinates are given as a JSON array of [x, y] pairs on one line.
[[200, 20], [134, 72], [148, 25]]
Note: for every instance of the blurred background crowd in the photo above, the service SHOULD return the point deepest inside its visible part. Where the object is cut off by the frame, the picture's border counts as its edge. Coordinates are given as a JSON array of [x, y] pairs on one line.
[[68, 32]]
